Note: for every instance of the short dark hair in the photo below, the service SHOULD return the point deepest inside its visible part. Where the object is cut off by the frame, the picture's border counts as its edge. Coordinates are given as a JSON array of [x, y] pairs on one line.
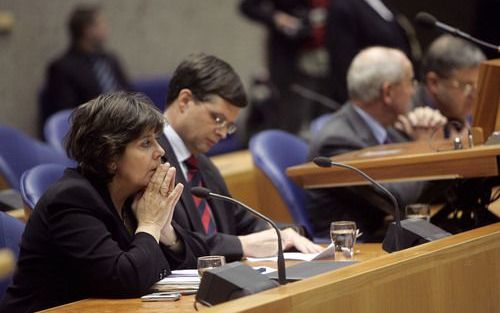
[[448, 53], [206, 75], [102, 128], [81, 18]]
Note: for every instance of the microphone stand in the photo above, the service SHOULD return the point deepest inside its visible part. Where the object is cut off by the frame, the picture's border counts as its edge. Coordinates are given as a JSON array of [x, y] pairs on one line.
[[205, 193], [326, 162]]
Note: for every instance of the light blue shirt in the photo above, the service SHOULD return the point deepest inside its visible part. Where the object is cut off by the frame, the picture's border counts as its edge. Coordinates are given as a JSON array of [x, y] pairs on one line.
[[180, 150], [378, 131]]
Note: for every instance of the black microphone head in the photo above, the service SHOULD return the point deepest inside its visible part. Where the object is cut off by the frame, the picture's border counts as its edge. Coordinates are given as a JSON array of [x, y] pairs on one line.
[[425, 19], [322, 161], [200, 192]]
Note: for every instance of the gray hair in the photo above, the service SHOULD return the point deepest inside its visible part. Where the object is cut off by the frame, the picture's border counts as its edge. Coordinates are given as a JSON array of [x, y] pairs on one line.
[[371, 68], [448, 53]]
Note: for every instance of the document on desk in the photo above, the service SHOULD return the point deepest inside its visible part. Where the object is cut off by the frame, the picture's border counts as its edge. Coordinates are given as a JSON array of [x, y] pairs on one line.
[[328, 252], [182, 281]]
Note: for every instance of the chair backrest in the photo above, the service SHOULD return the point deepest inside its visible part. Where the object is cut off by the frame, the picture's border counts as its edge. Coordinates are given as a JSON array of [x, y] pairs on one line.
[[11, 231], [35, 181], [19, 152], [56, 127], [318, 123], [155, 88], [273, 151]]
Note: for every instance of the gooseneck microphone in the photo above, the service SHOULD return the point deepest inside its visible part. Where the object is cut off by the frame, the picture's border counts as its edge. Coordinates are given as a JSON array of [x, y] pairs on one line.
[[327, 162], [201, 192], [427, 20]]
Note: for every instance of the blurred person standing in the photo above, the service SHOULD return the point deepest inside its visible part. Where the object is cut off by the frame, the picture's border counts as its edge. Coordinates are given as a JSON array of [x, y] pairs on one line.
[[86, 69], [357, 24], [295, 54]]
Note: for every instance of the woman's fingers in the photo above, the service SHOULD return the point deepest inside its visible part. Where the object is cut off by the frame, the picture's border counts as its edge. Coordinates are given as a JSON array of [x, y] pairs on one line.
[[172, 200], [167, 184]]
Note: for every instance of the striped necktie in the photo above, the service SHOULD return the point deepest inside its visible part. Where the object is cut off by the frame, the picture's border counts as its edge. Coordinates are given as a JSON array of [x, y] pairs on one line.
[[105, 76], [202, 206]]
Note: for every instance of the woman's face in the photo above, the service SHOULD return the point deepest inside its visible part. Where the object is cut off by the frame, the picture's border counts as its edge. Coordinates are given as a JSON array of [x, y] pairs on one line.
[[138, 163]]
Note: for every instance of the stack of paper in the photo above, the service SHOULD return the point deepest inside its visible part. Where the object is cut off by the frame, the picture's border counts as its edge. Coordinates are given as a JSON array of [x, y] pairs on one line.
[[328, 252], [182, 281]]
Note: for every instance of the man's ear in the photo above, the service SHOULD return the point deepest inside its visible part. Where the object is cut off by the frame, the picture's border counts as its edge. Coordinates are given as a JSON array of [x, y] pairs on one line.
[[432, 82], [386, 92], [185, 99]]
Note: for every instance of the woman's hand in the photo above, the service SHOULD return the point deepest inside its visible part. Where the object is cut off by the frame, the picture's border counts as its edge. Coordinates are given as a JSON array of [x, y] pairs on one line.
[[154, 207]]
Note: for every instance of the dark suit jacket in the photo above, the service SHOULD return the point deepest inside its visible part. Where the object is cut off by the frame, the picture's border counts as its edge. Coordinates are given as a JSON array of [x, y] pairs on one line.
[[231, 220], [352, 26], [71, 80], [346, 131], [76, 246]]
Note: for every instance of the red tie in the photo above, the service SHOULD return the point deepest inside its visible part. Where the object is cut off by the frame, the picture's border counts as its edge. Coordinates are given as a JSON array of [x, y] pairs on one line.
[[195, 180]]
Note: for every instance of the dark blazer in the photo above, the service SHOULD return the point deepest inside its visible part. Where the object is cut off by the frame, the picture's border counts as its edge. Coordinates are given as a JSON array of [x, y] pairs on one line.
[[71, 81], [346, 131], [75, 246], [352, 26], [231, 220]]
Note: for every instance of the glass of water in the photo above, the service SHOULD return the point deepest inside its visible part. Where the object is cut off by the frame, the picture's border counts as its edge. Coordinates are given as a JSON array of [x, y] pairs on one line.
[[343, 234], [206, 263]]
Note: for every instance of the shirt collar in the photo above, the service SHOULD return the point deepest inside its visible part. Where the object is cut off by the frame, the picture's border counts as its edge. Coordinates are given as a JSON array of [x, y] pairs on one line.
[[378, 131], [180, 150]]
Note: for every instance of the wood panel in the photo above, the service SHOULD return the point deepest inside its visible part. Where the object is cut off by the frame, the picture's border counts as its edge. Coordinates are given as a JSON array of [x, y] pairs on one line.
[[486, 109], [398, 162], [457, 274], [250, 185]]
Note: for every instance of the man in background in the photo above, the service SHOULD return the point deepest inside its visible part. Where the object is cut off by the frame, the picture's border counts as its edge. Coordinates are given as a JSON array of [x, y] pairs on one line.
[[450, 71], [380, 83], [86, 69], [204, 98]]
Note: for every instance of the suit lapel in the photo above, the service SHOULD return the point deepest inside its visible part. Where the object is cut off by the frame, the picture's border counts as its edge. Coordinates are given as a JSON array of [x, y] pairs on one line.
[[186, 200], [360, 126]]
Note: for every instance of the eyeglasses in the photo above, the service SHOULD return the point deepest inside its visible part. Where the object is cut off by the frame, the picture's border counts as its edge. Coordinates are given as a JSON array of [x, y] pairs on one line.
[[465, 87], [221, 122]]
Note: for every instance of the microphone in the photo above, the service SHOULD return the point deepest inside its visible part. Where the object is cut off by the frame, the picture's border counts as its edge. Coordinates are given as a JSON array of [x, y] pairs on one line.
[[201, 192], [427, 20], [326, 162], [407, 233], [312, 95]]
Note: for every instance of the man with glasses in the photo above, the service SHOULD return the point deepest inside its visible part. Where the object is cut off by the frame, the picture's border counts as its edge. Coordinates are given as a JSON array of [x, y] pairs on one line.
[[450, 71], [204, 98]]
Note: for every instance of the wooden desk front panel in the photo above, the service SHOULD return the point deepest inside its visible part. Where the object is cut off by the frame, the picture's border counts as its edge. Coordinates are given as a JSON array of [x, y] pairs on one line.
[[457, 274]]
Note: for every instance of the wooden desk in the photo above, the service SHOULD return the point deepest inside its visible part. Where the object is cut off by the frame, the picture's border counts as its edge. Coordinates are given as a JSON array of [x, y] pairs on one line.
[[363, 252], [401, 162], [457, 274]]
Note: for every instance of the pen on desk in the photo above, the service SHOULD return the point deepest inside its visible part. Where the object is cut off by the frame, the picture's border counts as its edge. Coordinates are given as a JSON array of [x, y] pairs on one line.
[[261, 269]]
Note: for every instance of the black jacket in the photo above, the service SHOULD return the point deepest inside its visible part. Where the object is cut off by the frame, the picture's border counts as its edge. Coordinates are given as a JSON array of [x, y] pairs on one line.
[[76, 246], [71, 80]]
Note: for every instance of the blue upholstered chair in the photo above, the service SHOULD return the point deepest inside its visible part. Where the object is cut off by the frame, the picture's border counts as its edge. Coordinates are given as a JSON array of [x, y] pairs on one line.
[[155, 88], [11, 231], [56, 127], [273, 151], [19, 152], [318, 123], [35, 181]]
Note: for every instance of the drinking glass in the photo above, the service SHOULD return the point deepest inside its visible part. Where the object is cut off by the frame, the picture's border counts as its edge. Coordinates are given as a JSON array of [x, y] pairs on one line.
[[343, 234], [418, 211], [208, 262]]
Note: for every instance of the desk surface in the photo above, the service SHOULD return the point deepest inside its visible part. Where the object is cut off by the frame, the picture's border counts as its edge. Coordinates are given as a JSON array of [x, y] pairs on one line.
[[401, 162], [363, 252]]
